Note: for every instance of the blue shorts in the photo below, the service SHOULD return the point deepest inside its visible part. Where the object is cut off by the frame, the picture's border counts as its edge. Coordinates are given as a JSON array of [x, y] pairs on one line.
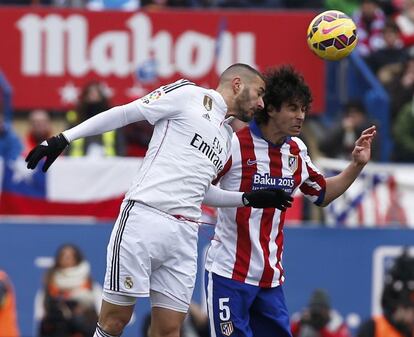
[[238, 309]]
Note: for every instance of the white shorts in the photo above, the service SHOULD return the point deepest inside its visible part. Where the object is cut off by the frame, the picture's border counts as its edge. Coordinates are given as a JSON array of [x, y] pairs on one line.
[[151, 250]]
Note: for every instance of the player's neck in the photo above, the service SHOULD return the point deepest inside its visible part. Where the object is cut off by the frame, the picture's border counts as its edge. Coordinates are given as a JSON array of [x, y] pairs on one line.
[[271, 135]]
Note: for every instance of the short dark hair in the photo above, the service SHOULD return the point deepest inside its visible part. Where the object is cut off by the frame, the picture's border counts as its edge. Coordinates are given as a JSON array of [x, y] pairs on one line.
[[353, 106], [283, 84], [398, 290], [239, 68]]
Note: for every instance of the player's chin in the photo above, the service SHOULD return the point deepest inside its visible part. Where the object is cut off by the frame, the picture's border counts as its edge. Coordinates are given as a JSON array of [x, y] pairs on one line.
[[295, 131], [245, 117]]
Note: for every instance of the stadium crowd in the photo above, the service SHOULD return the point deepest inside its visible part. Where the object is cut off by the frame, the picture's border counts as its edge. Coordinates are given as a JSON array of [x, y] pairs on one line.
[[386, 43]]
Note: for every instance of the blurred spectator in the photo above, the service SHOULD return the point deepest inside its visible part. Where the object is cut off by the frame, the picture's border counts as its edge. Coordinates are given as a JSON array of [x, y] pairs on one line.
[[390, 7], [70, 3], [401, 88], [339, 141], [137, 137], [404, 135], [303, 3], [405, 22], [319, 319], [22, 2], [397, 303], [93, 101], [348, 7], [388, 60], [10, 144], [8, 315], [195, 324], [98, 5], [370, 20], [71, 298], [159, 4], [243, 3], [40, 128]]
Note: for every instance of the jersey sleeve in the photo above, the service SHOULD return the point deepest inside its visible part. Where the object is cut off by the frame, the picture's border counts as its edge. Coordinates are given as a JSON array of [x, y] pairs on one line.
[[166, 102], [225, 169], [315, 186]]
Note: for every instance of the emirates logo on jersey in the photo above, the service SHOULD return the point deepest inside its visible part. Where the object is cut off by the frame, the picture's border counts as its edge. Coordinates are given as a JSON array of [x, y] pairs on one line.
[[211, 151]]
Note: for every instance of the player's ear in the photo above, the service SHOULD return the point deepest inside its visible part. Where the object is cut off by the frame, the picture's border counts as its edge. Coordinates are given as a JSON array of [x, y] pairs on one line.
[[271, 110], [237, 84]]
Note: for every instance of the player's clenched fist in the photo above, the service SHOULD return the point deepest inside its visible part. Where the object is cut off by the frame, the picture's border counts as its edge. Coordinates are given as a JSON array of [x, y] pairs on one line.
[[268, 198], [50, 148]]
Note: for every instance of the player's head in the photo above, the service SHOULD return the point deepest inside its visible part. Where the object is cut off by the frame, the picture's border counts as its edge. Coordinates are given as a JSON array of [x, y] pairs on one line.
[[397, 299], [319, 308], [68, 255], [242, 88], [287, 100], [93, 100], [355, 113]]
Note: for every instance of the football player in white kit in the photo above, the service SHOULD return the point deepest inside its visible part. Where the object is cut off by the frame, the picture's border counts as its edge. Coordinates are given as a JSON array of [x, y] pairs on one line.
[[153, 247], [244, 273]]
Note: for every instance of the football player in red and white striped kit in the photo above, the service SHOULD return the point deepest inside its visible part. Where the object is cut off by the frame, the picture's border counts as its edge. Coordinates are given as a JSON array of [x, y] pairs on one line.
[[244, 270]]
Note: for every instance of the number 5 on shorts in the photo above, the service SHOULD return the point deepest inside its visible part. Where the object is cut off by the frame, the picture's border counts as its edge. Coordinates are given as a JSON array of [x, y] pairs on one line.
[[224, 309]]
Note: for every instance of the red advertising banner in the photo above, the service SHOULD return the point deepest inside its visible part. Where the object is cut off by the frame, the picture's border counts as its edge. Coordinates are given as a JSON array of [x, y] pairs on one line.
[[48, 55]]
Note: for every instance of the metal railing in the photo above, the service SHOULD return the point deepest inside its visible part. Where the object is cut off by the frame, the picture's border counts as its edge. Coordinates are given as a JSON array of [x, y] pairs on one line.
[[353, 79]]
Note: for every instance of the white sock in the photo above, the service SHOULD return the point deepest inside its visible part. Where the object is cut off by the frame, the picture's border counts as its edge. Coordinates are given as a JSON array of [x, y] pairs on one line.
[[99, 332]]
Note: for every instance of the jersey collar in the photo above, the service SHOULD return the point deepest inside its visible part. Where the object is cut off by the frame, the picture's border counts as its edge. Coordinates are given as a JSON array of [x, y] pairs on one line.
[[219, 100], [255, 129]]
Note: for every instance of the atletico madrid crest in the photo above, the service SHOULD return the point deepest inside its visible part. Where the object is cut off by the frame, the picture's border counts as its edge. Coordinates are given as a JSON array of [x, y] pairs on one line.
[[227, 328], [292, 163]]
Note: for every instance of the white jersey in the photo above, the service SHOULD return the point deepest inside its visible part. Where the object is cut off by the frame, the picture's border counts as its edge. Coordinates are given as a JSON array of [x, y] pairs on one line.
[[248, 242], [190, 145]]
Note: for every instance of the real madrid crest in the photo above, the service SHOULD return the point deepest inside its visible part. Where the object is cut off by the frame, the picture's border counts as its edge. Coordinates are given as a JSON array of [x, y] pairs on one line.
[[208, 102], [292, 163], [128, 282]]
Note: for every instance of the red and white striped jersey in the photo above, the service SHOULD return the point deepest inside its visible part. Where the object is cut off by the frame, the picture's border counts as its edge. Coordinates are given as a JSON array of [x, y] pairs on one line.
[[248, 242]]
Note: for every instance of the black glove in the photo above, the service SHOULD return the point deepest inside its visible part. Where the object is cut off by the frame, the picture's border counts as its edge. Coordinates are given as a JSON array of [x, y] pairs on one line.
[[268, 198], [51, 149]]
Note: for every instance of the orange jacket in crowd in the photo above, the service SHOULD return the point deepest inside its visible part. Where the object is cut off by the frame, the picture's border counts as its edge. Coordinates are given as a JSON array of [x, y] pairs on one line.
[[8, 316]]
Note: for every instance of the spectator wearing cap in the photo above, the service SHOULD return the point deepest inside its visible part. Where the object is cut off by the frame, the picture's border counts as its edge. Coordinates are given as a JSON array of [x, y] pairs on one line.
[[397, 303], [318, 319]]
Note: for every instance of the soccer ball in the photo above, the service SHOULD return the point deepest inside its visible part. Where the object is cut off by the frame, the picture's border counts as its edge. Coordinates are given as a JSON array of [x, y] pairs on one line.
[[332, 35]]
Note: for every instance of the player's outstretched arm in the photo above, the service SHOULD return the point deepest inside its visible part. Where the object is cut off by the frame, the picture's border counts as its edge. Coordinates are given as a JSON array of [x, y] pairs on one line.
[[108, 120], [266, 198], [337, 185]]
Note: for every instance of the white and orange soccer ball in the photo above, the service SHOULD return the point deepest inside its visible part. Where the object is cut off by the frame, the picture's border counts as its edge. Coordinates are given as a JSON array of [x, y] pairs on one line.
[[332, 35]]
